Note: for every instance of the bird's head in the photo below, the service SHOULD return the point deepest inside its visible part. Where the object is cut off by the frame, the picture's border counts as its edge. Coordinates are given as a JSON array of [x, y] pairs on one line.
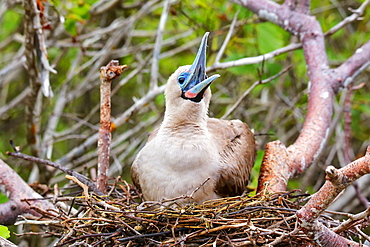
[[191, 82]]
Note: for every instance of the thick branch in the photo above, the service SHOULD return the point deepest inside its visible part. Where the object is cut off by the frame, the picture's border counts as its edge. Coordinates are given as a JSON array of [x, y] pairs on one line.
[[324, 82], [317, 123], [337, 181], [274, 173], [18, 190], [325, 237]]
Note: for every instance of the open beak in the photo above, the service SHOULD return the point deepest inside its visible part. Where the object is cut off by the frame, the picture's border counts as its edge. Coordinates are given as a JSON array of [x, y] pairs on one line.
[[197, 81]]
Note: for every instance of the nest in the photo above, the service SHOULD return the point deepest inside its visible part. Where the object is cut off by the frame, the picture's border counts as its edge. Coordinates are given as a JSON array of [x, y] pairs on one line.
[[121, 219]]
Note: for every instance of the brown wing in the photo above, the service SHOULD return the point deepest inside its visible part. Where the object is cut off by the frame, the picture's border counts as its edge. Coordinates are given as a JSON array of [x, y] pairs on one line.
[[237, 148]]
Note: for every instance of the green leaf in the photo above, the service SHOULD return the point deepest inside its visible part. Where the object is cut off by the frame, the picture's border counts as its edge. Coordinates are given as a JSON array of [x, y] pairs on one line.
[[10, 22], [79, 13], [255, 171], [3, 198], [70, 26], [4, 232], [270, 37]]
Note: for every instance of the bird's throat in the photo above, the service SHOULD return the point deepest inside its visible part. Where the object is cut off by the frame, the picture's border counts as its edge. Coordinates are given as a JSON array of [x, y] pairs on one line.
[[195, 97]]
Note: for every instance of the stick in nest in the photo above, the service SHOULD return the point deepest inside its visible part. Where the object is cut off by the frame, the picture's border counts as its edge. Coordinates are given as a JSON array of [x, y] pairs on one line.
[[70, 172], [148, 204]]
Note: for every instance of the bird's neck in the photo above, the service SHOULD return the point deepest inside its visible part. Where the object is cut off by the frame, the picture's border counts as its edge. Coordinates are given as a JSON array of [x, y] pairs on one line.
[[191, 114]]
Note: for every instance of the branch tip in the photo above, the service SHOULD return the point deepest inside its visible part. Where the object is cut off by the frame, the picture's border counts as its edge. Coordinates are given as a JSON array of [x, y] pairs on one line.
[[111, 71], [335, 176]]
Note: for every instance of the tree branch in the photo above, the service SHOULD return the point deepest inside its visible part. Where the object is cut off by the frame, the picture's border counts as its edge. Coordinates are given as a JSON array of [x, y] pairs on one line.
[[353, 66], [79, 176], [158, 45], [31, 43], [123, 118], [324, 83], [337, 181], [281, 163], [18, 191], [107, 74], [255, 84], [254, 60]]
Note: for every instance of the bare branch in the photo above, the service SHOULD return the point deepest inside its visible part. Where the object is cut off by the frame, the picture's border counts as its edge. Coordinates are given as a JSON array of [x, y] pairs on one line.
[[18, 191], [20, 98], [353, 66], [352, 220], [103, 6], [324, 82], [274, 173], [123, 118], [255, 84], [227, 39], [337, 181], [158, 44], [325, 237], [80, 177], [61, 102], [304, 6], [254, 60], [34, 27], [31, 43], [349, 19], [107, 74]]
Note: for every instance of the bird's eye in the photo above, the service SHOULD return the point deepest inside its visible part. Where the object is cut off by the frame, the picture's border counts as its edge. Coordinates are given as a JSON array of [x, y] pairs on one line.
[[181, 80]]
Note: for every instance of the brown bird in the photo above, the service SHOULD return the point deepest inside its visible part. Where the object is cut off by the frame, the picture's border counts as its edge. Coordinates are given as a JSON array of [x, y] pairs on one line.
[[189, 150]]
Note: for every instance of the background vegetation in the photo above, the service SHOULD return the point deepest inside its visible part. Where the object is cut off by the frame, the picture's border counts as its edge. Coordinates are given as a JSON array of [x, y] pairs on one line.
[[82, 36]]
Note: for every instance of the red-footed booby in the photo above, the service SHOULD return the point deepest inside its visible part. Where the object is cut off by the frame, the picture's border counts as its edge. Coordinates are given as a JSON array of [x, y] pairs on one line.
[[189, 150]]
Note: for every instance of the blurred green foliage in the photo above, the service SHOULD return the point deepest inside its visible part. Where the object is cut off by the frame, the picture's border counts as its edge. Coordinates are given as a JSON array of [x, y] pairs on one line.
[[4, 232], [3, 198]]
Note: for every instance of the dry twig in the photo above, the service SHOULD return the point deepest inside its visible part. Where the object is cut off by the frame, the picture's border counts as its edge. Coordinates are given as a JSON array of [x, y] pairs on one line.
[[80, 177], [107, 74]]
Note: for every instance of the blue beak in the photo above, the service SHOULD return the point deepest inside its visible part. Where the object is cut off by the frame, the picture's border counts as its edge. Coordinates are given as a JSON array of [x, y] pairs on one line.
[[195, 81]]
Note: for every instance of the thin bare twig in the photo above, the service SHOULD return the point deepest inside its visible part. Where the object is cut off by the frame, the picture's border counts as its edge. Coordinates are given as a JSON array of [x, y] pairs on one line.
[[349, 19], [80, 177], [257, 59], [123, 118], [352, 220], [158, 45], [227, 39], [246, 93], [347, 137]]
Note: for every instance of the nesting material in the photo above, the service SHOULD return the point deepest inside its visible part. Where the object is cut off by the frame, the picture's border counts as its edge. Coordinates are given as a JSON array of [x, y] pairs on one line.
[[121, 219]]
